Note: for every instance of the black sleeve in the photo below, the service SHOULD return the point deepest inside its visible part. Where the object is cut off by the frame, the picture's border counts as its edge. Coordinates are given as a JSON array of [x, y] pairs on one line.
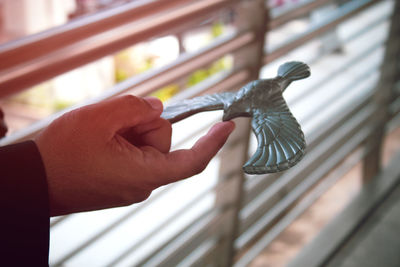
[[24, 207]]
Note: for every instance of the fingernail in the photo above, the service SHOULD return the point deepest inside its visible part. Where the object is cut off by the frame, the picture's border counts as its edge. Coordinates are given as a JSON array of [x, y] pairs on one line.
[[231, 124], [228, 125], [154, 102]]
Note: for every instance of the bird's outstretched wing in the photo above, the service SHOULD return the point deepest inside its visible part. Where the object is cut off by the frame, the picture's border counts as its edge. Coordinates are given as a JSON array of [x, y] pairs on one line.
[[188, 107], [280, 139]]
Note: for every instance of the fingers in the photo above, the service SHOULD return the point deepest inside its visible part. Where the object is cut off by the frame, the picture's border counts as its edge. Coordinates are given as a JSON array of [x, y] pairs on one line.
[[156, 133], [123, 112], [181, 164]]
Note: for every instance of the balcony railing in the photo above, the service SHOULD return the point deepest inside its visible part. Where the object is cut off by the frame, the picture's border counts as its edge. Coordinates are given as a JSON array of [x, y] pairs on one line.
[[345, 108]]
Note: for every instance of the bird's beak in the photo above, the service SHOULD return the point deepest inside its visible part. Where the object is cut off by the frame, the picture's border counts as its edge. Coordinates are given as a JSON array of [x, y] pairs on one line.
[[231, 113], [227, 115]]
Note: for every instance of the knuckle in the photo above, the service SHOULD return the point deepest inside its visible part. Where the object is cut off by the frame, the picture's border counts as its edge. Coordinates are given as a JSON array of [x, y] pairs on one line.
[[165, 124], [133, 101], [77, 118], [130, 99]]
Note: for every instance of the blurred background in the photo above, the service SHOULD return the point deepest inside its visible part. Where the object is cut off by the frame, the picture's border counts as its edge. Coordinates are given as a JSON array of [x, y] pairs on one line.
[[56, 55]]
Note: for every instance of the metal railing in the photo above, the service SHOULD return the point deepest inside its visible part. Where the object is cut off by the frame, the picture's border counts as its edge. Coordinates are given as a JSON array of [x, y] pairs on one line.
[[247, 212]]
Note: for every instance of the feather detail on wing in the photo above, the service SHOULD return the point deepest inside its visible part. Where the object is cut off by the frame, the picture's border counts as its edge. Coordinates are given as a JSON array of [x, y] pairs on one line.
[[280, 139], [185, 108]]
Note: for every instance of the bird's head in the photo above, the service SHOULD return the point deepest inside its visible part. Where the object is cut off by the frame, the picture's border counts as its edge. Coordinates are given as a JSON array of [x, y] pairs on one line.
[[234, 111]]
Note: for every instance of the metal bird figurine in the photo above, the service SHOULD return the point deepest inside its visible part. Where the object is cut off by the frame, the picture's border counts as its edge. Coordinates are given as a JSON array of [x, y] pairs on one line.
[[280, 139]]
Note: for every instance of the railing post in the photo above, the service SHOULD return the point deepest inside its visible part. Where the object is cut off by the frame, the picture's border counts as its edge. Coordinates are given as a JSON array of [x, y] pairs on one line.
[[389, 72], [249, 16]]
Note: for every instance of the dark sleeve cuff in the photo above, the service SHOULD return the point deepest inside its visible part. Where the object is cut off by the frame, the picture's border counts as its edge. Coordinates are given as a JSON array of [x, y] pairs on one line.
[[24, 224]]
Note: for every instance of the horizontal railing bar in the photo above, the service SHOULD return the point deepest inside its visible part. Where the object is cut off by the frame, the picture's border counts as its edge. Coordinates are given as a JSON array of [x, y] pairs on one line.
[[29, 73], [320, 134], [146, 83], [314, 139], [319, 157], [223, 81], [282, 16], [199, 219], [184, 65], [198, 230], [190, 136], [368, 27], [351, 62], [233, 83], [39, 44], [309, 199], [340, 15], [165, 222], [195, 259], [180, 249], [115, 224], [339, 93]]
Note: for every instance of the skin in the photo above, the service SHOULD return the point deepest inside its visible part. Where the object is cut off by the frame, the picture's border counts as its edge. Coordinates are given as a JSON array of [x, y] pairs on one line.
[[116, 152]]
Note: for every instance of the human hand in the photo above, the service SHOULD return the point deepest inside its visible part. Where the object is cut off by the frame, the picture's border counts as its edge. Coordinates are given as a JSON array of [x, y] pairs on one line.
[[114, 153]]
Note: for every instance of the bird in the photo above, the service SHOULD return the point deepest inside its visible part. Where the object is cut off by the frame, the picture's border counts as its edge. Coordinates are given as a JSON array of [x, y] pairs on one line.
[[280, 140]]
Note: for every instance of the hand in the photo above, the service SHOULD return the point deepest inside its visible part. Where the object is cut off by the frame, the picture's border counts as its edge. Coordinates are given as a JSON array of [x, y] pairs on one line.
[[114, 153]]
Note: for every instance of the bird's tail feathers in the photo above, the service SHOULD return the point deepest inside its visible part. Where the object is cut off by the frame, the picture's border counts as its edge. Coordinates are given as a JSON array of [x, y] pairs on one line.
[[294, 70]]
